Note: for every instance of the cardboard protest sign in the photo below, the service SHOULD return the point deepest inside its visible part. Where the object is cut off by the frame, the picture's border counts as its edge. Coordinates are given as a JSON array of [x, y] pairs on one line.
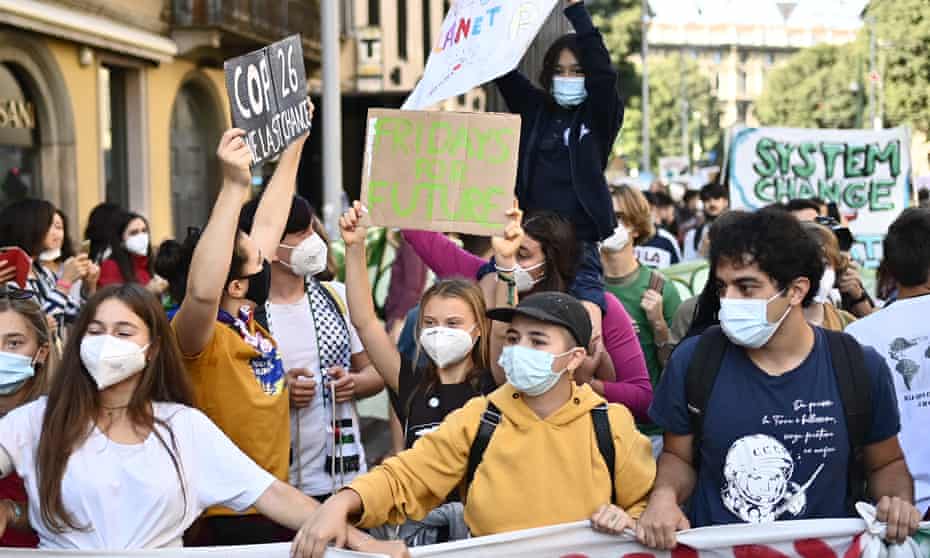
[[267, 92], [480, 40], [440, 171], [865, 172]]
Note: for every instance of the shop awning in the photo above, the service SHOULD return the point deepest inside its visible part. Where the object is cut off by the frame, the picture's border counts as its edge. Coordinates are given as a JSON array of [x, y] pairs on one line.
[[89, 29]]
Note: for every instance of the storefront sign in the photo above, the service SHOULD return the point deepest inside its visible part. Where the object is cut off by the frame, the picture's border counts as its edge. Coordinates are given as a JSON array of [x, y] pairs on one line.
[[15, 113], [267, 92]]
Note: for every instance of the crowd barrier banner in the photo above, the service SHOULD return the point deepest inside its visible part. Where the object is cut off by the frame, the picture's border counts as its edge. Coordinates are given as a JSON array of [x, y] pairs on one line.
[[813, 538], [866, 172], [440, 171], [267, 92], [480, 40]]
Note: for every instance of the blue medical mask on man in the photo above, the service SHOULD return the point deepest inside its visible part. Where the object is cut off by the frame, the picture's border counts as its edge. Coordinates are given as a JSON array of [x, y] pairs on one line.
[[569, 92]]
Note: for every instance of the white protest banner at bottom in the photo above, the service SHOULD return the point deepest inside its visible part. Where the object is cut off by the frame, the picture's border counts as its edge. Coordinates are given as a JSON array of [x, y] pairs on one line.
[[812, 538]]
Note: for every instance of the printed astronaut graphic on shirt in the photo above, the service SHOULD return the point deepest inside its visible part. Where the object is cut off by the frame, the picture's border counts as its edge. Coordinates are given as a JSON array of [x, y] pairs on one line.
[[757, 481], [906, 359]]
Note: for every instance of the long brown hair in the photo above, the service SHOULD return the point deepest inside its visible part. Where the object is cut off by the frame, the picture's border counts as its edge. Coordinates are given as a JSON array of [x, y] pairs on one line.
[[469, 293], [30, 311], [74, 400]]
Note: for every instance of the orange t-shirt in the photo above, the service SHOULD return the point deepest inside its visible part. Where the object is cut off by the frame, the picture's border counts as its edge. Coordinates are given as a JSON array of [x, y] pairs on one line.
[[256, 417]]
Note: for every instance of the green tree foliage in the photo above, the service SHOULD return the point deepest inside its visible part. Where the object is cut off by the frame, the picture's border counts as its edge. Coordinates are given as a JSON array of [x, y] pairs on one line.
[[620, 23], [903, 37], [818, 87], [665, 112]]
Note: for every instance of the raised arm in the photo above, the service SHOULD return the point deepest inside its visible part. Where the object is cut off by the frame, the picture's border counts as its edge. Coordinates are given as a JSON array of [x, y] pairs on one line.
[[505, 291], [521, 96], [381, 350], [600, 77], [211, 260], [268, 227], [444, 257], [632, 387]]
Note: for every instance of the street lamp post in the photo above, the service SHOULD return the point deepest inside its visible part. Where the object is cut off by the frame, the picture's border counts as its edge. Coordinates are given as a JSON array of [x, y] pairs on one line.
[[332, 114]]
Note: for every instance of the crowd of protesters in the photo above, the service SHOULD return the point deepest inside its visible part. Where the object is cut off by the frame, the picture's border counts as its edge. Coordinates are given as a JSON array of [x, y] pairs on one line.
[[205, 392]]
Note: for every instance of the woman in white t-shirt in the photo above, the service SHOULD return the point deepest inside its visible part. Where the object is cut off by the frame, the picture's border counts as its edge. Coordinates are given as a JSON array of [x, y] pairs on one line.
[[115, 457]]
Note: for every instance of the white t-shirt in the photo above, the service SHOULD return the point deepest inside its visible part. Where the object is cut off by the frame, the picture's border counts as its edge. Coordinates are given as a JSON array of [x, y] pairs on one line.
[[129, 494], [901, 334], [297, 343]]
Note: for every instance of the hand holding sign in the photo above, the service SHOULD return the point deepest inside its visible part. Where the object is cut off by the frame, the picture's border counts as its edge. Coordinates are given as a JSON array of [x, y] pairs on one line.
[[235, 158], [267, 93]]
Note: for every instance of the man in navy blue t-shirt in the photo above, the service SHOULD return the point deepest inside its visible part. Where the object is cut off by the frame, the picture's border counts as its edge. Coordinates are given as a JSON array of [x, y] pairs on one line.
[[774, 443]]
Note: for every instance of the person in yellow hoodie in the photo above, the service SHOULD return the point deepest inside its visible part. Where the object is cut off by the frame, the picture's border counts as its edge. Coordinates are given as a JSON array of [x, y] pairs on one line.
[[547, 446]]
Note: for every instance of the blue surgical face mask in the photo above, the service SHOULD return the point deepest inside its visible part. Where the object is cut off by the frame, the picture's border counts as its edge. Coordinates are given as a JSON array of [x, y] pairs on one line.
[[569, 92], [528, 370], [15, 370], [746, 322]]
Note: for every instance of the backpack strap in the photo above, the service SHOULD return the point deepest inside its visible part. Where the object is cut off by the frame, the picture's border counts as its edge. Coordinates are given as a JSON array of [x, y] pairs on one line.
[[489, 421], [656, 281], [605, 443], [699, 382], [334, 297], [852, 379]]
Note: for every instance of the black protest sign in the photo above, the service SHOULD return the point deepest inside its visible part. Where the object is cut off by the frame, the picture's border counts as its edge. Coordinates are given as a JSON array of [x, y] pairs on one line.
[[268, 96]]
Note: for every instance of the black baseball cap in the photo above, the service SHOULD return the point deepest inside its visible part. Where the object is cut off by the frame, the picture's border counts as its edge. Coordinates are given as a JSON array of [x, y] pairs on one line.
[[552, 308]]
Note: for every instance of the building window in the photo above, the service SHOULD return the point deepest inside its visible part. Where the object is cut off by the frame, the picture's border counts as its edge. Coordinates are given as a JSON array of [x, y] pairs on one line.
[[402, 29], [743, 56], [718, 56], [770, 58], [18, 154], [113, 139], [741, 82], [374, 12], [427, 29], [742, 110]]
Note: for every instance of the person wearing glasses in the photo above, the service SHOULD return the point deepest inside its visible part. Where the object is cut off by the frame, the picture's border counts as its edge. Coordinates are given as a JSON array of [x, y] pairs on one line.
[[24, 377]]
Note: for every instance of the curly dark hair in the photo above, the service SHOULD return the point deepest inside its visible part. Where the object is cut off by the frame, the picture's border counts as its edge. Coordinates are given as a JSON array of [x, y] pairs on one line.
[[776, 242], [906, 250]]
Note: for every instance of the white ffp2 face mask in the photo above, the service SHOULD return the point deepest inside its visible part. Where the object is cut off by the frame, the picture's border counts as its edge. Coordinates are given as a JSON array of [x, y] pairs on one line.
[[309, 257], [523, 279], [110, 360], [618, 240], [138, 244], [446, 345], [746, 322]]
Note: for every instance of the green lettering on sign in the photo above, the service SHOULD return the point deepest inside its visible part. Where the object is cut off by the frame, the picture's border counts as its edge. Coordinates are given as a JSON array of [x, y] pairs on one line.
[[766, 165], [880, 195]]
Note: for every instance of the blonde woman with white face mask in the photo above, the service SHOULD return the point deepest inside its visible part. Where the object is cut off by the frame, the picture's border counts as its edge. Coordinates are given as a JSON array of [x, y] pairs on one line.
[[117, 433], [452, 331]]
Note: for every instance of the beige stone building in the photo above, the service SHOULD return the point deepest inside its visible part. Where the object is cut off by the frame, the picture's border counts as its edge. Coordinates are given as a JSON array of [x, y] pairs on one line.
[[124, 100], [737, 43]]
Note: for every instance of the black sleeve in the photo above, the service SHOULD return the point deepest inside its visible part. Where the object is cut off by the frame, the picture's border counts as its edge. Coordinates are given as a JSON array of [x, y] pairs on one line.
[[600, 77], [406, 382], [521, 96]]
